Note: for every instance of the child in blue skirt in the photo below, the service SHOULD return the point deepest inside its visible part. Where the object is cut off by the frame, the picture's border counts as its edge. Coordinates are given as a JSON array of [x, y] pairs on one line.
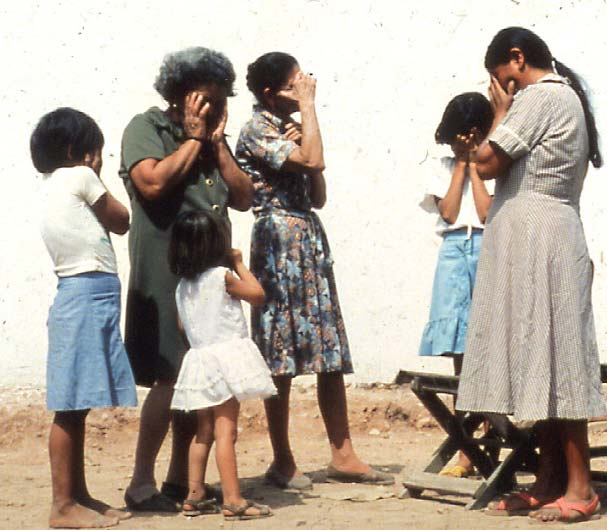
[[87, 365], [462, 200]]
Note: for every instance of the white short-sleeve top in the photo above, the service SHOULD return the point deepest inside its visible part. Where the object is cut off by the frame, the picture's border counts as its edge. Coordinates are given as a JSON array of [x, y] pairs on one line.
[[74, 237], [438, 175]]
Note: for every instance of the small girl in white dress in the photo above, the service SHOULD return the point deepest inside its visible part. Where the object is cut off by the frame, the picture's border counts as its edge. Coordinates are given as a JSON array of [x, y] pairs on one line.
[[223, 366]]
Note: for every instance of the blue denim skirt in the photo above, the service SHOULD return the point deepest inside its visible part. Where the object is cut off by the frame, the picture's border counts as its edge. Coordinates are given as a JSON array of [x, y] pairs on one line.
[[87, 365], [445, 332]]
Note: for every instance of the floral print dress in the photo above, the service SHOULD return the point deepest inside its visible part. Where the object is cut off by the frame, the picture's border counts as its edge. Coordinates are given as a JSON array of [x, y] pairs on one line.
[[299, 329]]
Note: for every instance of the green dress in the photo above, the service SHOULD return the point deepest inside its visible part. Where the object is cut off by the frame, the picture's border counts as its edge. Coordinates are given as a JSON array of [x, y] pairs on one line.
[[153, 341]]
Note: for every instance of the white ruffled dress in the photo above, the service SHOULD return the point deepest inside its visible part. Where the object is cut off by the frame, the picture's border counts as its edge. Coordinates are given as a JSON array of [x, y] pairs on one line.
[[222, 362]]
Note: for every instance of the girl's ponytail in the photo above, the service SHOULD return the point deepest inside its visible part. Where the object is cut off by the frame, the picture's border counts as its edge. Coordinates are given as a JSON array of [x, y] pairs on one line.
[[593, 136]]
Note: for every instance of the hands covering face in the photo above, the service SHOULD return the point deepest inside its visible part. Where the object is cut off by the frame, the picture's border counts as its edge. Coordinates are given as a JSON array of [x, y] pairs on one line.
[[203, 119], [302, 88], [501, 99], [465, 146]]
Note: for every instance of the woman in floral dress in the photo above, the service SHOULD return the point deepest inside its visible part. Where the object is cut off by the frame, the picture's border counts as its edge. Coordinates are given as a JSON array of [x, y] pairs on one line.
[[299, 329]]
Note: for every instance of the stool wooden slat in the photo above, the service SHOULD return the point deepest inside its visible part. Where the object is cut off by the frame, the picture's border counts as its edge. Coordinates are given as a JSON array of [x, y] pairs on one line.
[[497, 476]]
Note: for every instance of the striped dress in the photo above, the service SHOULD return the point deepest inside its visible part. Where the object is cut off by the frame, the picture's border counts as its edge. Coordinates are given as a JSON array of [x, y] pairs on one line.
[[531, 344]]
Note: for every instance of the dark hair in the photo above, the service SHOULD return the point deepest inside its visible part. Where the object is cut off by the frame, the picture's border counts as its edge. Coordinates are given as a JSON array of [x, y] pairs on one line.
[[199, 240], [462, 113], [62, 137], [186, 69], [271, 70], [538, 54]]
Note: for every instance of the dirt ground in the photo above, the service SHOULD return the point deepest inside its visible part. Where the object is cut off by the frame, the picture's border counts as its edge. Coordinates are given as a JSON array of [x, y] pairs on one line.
[[391, 430]]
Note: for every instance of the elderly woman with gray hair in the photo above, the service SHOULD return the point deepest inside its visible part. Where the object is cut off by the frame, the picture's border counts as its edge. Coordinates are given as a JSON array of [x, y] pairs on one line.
[[173, 160]]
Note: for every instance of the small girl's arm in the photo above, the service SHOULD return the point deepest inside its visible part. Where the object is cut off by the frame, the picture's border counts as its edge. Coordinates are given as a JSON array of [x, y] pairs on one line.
[[244, 286], [449, 205]]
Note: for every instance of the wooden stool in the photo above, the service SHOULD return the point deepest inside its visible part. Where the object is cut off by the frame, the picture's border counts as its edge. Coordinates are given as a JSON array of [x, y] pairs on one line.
[[497, 476]]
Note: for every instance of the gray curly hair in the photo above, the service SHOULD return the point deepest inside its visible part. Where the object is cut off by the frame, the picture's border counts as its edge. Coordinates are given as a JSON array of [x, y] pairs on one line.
[[186, 69]]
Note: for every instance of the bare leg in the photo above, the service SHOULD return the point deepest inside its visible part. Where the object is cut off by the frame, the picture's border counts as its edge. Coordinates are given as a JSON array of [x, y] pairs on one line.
[[81, 492], [575, 449], [551, 479], [153, 427], [277, 413], [65, 440], [226, 433], [574, 439], [183, 430], [331, 393], [199, 456]]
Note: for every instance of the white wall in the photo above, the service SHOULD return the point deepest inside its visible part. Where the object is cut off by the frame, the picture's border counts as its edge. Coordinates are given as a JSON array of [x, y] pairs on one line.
[[385, 71]]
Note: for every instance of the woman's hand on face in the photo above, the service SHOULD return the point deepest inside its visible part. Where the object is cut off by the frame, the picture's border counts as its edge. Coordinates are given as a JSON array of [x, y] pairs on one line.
[[195, 115], [304, 89], [293, 132], [500, 99], [217, 134]]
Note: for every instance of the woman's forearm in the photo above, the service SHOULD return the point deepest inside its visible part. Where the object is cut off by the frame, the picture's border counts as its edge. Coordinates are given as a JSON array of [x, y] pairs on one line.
[[239, 183], [450, 204], [482, 199], [311, 140], [154, 178]]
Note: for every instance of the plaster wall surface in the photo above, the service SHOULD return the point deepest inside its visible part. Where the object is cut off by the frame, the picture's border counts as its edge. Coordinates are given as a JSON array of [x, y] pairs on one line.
[[385, 71]]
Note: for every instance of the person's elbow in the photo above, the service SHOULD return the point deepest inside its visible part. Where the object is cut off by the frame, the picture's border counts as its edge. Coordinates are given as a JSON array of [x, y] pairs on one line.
[[242, 199], [486, 170], [123, 223], [151, 191], [319, 202], [491, 161], [316, 165], [258, 297]]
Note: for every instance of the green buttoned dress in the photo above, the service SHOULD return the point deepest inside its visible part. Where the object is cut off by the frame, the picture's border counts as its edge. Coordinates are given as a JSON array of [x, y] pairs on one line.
[[153, 341]]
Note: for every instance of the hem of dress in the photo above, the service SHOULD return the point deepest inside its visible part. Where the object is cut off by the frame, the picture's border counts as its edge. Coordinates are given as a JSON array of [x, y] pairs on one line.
[[542, 417], [314, 372], [209, 404], [124, 398], [440, 337]]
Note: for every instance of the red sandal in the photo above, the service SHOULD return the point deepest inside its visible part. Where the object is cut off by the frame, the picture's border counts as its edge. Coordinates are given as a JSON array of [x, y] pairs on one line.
[[571, 512], [501, 508]]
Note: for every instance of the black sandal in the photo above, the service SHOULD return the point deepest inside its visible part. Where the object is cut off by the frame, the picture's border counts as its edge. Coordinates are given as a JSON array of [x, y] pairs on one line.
[[238, 512], [199, 507], [179, 493], [156, 503]]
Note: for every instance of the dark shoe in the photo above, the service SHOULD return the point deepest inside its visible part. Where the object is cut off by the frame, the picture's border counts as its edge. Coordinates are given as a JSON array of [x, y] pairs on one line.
[[156, 503], [276, 478], [375, 477], [178, 493]]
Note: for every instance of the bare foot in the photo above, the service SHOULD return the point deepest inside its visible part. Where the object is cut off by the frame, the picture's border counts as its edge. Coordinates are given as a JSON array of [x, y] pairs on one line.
[[105, 509], [74, 515], [351, 465]]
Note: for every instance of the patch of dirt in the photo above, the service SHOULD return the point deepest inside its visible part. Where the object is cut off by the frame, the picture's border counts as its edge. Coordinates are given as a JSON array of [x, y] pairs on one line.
[[390, 430]]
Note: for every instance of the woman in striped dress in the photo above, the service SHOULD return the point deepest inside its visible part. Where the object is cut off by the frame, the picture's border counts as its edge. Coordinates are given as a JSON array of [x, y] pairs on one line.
[[531, 345]]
